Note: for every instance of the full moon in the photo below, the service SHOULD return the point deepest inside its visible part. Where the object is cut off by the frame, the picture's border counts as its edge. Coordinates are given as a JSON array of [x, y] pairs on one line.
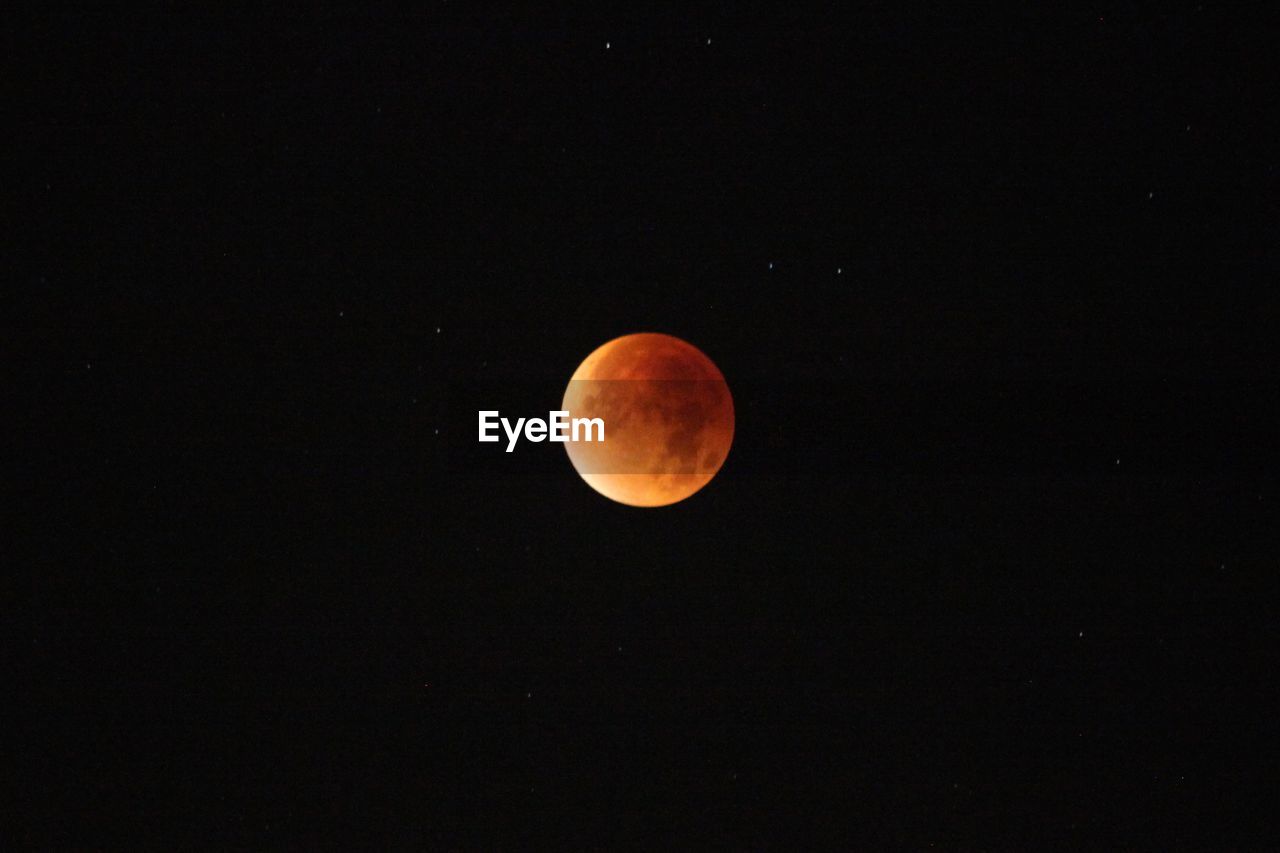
[[668, 419]]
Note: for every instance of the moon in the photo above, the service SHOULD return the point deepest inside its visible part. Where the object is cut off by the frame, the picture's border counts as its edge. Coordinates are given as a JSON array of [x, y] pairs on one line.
[[668, 419]]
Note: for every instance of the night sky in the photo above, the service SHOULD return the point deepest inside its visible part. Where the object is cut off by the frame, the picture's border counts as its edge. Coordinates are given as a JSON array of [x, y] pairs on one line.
[[992, 563]]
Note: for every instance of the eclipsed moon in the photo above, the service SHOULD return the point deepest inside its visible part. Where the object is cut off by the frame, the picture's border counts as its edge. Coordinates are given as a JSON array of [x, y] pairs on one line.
[[668, 419]]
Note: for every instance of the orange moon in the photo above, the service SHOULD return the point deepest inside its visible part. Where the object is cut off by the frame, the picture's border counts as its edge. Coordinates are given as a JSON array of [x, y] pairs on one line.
[[668, 419]]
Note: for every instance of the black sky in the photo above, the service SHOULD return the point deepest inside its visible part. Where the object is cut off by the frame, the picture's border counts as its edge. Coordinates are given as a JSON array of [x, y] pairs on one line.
[[991, 564]]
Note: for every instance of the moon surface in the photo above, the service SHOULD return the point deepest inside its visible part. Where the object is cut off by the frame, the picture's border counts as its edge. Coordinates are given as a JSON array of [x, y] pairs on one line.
[[668, 419]]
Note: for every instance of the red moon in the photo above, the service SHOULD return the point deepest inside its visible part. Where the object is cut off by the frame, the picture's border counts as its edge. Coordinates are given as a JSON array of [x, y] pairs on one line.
[[668, 419]]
